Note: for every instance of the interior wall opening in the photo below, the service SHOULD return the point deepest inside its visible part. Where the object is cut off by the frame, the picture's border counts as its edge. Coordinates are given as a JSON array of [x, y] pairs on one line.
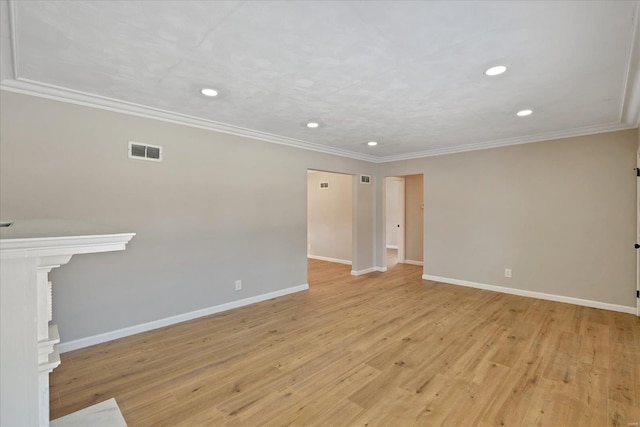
[[404, 220], [329, 218]]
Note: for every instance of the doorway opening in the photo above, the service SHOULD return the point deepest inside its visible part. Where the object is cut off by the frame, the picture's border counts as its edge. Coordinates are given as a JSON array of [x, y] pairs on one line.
[[394, 220], [404, 219], [329, 220]]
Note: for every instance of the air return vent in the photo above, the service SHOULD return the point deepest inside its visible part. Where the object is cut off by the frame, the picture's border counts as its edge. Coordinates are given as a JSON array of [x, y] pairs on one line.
[[145, 151], [365, 179]]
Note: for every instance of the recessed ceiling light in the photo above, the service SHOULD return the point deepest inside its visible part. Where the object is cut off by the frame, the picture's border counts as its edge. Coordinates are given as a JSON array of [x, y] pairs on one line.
[[372, 143], [209, 92], [494, 71], [312, 125], [523, 113]]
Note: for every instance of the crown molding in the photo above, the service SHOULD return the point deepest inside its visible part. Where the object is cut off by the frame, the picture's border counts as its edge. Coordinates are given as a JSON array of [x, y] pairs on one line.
[[590, 130], [629, 109], [56, 93]]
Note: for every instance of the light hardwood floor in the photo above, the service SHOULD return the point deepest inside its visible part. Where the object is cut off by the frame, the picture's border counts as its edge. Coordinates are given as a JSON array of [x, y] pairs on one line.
[[384, 349]]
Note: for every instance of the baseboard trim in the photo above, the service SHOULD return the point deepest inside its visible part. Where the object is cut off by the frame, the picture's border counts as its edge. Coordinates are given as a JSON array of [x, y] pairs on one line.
[[368, 270], [412, 262], [392, 246], [534, 294], [167, 321], [324, 258]]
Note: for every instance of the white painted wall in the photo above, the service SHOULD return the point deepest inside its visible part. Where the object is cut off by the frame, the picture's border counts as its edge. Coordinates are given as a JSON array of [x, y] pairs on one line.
[[330, 216], [216, 209]]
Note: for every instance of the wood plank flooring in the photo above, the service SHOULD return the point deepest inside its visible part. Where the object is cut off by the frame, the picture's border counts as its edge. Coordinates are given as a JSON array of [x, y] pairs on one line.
[[384, 349]]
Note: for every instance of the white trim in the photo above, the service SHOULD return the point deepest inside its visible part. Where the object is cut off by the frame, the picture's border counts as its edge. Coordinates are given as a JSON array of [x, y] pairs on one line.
[[361, 272], [324, 258], [589, 130], [412, 262], [63, 245], [57, 93], [143, 327], [368, 270], [533, 294], [629, 117], [392, 246]]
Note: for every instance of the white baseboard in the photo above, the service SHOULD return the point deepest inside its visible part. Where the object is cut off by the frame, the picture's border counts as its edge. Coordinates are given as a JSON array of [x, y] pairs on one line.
[[534, 294], [392, 246], [143, 327], [412, 262], [324, 258], [368, 270], [365, 271]]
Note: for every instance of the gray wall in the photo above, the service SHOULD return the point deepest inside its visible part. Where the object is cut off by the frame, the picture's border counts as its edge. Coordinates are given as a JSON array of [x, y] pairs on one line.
[[414, 217], [217, 209], [561, 214], [330, 215]]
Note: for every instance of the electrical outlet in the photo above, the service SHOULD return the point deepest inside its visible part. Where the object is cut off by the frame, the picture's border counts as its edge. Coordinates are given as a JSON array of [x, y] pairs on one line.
[[238, 285], [507, 272]]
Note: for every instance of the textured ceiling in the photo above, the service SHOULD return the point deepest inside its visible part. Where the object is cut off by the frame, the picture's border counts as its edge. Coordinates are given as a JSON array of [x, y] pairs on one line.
[[409, 75]]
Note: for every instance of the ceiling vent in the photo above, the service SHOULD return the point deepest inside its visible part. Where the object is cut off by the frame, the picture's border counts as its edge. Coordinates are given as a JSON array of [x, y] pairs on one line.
[[145, 151], [365, 179]]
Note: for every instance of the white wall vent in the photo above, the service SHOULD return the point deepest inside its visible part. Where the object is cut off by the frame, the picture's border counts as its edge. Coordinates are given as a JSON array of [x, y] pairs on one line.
[[324, 185], [365, 179], [145, 151]]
